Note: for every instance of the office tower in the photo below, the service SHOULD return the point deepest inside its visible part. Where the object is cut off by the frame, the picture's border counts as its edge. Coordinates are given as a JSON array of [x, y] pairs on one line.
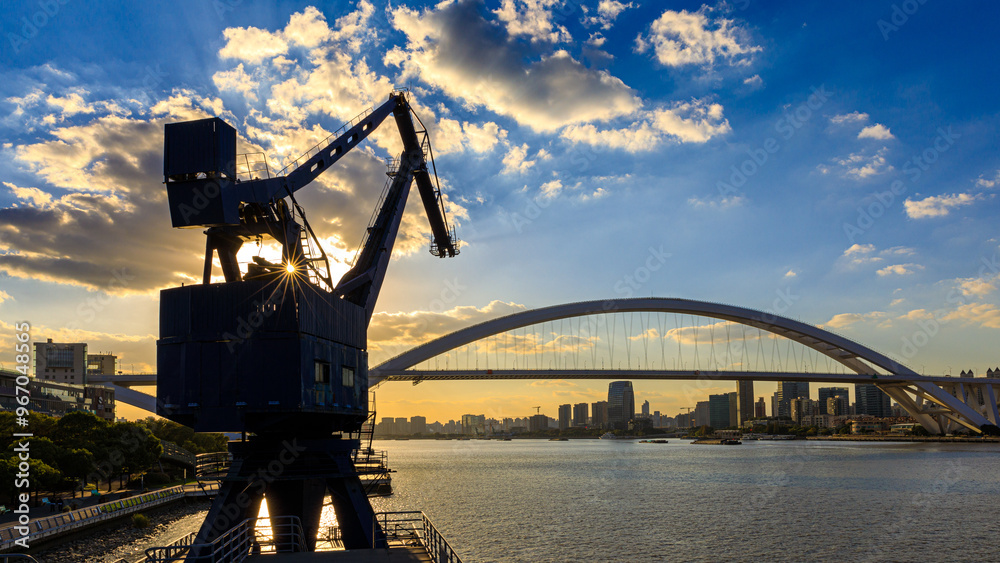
[[565, 416], [760, 409], [718, 409], [621, 403], [841, 396], [599, 413], [580, 414], [645, 409], [871, 401], [418, 425], [744, 405]]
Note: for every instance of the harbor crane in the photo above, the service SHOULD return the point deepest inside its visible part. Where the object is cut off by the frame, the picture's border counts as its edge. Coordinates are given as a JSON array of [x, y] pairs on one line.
[[279, 352]]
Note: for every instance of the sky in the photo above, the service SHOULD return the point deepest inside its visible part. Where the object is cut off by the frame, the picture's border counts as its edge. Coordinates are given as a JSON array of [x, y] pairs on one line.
[[833, 162]]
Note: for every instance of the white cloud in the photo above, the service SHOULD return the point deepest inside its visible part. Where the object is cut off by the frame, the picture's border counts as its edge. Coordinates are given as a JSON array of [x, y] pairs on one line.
[[853, 117], [936, 206], [860, 165], [984, 182], [979, 287], [985, 315], [899, 270], [4, 296], [551, 189], [696, 121], [683, 38], [449, 136], [516, 161], [452, 48], [862, 254], [607, 12], [391, 333], [71, 104], [35, 196], [877, 131], [791, 274], [724, 202], [847, 319], [251, 44], [754, 82], [532, 18], [236, 80], [596, 39]]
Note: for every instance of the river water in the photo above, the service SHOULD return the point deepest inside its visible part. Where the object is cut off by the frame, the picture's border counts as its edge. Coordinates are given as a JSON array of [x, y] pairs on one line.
[[611, 500]]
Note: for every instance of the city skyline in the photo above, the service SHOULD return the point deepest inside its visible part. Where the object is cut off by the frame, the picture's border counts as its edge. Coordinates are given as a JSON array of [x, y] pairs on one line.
[[831, 164]]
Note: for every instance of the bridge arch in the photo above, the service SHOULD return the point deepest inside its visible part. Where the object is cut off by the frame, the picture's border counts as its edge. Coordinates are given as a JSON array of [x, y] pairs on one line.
[[843, 350]]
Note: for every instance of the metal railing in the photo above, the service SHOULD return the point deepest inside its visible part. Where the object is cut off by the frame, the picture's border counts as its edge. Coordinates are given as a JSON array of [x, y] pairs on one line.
[[315, 149], [252, 166], [283, 534], [414, 528], [17, 558], [55, 525]]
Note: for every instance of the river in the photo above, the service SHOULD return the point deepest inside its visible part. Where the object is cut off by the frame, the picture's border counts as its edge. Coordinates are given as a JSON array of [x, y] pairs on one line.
[[611, 500]]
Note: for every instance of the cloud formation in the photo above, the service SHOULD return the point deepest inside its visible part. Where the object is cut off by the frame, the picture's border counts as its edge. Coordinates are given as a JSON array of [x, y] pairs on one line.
[[694, 38], [455, 50], [937, 206]]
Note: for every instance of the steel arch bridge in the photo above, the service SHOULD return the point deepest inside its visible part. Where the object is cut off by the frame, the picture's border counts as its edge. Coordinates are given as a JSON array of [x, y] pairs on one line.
[[938, 403]]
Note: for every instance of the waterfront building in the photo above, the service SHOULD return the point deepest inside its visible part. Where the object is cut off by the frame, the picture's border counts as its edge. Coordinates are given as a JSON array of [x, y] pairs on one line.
[[800, 408], [599, 413], [418, 425], [538, 422], [645, 409], [788, 390], [734, 410], [61, 363], [718, 408], [760, 410], [841, 396], [621, 403], [702, 416], [744, 402], [474, 424], [102, 364], [871, 401], [580, 414], [402, 426], [565, 416], [56, 399]]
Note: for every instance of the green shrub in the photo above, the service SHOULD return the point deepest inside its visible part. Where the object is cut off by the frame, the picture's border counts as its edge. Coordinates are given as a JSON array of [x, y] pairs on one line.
[[140, 521]]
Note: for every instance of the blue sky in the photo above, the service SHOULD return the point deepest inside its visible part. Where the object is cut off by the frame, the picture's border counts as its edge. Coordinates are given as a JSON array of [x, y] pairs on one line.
[[844, 154]]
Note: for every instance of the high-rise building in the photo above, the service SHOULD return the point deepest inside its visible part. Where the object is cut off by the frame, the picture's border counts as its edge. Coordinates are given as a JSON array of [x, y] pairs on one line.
[[580, 414], [538, 422], [744, 401], [474, 424], [760, 410], [871, 401], [621, 403], [418, 425], [800, 407], [402, 426], [842, 400], [718, 409], [645, 409], [702, 416], [734, 410], [599, 413], [61, 363], [565, 416], [788, 390]]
